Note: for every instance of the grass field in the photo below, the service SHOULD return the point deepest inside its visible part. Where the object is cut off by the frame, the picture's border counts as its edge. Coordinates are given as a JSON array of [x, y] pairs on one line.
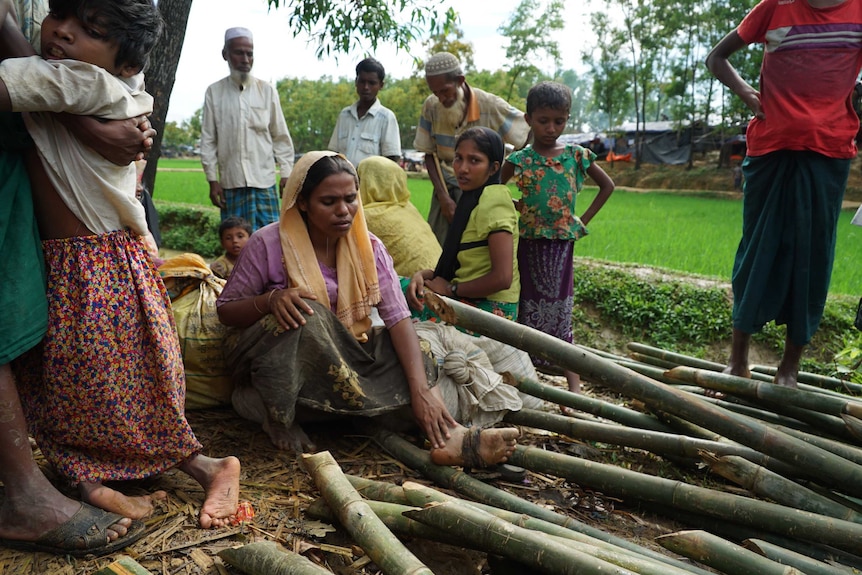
[[685, 233]]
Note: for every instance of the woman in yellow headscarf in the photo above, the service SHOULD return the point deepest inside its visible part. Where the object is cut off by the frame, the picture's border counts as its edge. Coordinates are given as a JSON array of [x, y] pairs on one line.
[[300, 298], [392, 218]]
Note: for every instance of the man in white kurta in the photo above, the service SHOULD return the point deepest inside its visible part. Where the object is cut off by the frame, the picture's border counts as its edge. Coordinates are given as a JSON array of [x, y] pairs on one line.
[[242, 130]]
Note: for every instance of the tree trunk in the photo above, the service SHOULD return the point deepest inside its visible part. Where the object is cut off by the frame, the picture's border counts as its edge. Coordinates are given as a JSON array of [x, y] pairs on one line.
[[162, 72]]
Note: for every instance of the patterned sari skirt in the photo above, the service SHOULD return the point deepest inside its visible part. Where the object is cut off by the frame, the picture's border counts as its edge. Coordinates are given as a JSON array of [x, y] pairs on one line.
[[320, 366], [104, 392], [546, 288]]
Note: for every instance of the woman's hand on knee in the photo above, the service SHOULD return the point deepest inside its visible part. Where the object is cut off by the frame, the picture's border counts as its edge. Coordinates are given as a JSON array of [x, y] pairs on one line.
[[289, 306]]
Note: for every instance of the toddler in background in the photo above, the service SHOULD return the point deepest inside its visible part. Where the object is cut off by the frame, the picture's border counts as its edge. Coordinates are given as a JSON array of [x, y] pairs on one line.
[[550, 175], [233, 233]]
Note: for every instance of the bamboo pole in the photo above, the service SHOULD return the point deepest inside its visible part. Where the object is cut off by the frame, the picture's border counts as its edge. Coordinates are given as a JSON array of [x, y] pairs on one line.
[[675, 358], [759, 413], [418, 495], [656, 373], [722, 555], [815, 379], [590, 405], [738, 533], [619, 482], [524, 546], [421, 495], [777, 394], [652, 361], [451, 478], [813, 461], [269, 558], [353, 512], [394, 517], [769, 485], [666, 444], [805, 564]]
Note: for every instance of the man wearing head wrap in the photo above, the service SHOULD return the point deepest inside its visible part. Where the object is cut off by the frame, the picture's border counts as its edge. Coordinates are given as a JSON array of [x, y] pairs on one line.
[[242, 129], [453, 107]]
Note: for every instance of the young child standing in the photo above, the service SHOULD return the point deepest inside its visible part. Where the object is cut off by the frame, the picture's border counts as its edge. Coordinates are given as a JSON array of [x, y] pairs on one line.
[[550, 175], [105, 390], [233, 233]]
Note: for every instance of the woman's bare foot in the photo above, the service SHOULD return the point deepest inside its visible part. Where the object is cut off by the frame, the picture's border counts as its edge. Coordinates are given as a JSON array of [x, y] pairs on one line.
[[220, 480], [291, 438], [136, 507], [493, 446]]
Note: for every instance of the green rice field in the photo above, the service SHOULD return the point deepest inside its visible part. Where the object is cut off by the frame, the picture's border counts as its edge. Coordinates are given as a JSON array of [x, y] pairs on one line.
[[692, 234]]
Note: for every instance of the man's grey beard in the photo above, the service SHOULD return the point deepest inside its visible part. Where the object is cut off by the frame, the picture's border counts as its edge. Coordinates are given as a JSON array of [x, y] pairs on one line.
[[453, 115], [239, 77]]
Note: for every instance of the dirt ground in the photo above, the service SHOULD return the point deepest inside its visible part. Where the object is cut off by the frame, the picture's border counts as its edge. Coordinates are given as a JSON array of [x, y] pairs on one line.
[[280, 491]]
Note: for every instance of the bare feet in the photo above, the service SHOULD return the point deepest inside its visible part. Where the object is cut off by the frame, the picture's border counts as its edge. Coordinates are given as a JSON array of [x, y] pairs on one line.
[[103, 497], [574, 382], [220, 480], [494, 446], [291, 438], [788, 370]]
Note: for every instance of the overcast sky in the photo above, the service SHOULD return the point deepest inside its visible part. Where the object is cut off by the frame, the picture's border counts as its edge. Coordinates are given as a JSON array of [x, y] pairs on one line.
[[279, 55]]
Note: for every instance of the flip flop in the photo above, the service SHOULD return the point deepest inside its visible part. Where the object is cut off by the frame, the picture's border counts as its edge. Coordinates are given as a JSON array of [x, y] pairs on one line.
[[85, 533]]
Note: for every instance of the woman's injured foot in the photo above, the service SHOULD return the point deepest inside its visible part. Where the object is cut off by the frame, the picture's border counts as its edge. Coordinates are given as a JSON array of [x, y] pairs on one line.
[[133, 507], [476, 447]]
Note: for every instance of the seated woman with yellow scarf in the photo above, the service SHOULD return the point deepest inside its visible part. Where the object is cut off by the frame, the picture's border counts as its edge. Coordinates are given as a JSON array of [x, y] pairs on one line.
[[299, 301]]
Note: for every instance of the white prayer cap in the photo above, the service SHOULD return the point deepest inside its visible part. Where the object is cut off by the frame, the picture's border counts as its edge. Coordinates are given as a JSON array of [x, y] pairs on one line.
[[232, 33], [442, 63]]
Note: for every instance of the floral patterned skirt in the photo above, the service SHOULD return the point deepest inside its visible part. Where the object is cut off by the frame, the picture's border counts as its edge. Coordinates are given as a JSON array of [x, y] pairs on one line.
[[105, 391], [546, 288]]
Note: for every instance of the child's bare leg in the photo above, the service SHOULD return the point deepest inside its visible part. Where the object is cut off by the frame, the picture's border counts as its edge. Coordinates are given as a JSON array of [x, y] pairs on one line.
[[220, 480], [137, 507], [738, 364], [788, 369], [495, 445], [574, 381]]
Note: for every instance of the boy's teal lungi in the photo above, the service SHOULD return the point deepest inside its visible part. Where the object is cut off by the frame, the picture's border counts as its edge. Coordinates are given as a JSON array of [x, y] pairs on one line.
[[792, 200]]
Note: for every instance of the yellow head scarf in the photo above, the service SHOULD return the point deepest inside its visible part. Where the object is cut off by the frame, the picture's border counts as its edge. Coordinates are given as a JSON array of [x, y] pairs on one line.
[[382, 182], [358, 287]]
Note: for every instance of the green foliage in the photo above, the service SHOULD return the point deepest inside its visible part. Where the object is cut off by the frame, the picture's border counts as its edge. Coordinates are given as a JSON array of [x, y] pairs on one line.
[[190, 228], [405, 98], [311, 108], [342, 26], [668, 314], [695, 234], [684, 315], [530, 37], [452, 41], [848, 362]]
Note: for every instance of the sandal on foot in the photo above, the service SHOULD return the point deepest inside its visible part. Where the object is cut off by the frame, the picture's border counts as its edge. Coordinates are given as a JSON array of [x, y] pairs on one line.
[[85, 533]]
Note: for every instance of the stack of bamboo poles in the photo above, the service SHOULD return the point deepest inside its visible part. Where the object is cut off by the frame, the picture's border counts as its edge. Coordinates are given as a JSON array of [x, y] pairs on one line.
[[797, 451]]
